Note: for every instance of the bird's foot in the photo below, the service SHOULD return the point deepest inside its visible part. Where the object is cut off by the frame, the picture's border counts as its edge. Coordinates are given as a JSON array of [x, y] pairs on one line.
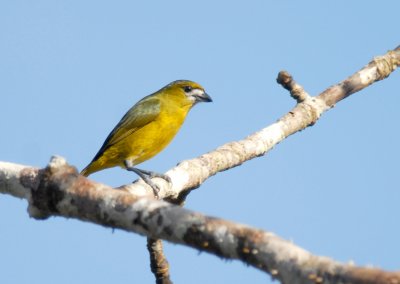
[[147, 176], [151, 174], [153, 186]]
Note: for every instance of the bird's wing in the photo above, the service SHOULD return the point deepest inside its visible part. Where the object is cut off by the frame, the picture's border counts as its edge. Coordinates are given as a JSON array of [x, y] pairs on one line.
[[142, 113]]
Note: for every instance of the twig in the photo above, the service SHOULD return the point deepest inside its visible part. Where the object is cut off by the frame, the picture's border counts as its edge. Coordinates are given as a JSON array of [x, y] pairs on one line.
[[296, 91], [158, 262]]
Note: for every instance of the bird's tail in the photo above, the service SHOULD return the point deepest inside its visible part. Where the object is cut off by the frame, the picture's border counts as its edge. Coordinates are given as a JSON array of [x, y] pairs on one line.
[[94, 166], [85, 172], [88, 170]]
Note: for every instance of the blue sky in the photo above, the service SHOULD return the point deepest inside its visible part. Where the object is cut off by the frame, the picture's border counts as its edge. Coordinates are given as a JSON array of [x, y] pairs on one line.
[[70, 69]]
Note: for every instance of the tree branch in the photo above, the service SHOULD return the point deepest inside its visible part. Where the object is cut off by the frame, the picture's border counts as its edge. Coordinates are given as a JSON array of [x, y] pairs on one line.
[[158, 262], [59, 190], [190, 174]]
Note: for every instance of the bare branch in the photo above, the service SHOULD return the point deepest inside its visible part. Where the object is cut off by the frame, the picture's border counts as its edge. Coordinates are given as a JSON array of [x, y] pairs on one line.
[[59, 190], [378, 69], [296, 91], [190, 174], [158, 262]]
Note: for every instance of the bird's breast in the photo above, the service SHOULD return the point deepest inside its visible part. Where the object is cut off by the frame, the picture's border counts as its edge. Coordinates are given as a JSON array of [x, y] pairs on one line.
[[155, 136]]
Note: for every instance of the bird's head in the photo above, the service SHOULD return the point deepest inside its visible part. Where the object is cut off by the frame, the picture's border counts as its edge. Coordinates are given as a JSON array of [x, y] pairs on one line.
[[191, 91]]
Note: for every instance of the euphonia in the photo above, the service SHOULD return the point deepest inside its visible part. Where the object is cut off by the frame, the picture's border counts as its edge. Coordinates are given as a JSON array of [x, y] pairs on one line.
[[147, 128]]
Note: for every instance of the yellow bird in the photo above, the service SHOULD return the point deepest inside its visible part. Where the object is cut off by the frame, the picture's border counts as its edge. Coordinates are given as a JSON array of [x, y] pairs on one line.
[[147, 128]]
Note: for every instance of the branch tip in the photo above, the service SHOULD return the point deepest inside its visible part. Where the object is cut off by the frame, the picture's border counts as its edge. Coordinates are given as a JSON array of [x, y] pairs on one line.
[[284, 78], [296, 91]]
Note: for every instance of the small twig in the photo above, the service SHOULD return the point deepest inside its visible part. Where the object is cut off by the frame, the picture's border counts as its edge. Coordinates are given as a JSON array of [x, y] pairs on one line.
[[158, 262], [296, 90]]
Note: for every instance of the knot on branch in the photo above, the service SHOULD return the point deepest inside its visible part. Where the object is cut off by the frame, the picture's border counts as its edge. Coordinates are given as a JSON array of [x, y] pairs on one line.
[[53, 180], [296, 91], [385, 65]]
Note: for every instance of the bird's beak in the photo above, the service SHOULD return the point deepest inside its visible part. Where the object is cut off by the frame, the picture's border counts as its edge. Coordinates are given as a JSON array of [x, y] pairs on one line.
[[204, 97]]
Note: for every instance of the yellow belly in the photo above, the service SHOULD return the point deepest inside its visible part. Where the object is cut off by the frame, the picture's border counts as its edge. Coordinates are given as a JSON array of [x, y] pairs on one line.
[[142, 144], [147, 141]]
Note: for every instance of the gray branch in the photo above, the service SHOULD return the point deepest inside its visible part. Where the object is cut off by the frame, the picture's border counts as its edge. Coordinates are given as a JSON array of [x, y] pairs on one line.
[[58, 190]]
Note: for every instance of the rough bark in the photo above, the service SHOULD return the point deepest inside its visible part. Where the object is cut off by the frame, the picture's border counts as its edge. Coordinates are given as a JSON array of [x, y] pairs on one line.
[[59, 190]]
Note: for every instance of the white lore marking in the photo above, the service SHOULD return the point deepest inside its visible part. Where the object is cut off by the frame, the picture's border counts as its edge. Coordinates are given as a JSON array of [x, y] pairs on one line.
[[195, 92]]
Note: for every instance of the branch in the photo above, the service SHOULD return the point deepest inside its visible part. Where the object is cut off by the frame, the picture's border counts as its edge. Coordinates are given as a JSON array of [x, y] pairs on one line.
[[158, 262], [58, 190], [190, 174], [308, 109]]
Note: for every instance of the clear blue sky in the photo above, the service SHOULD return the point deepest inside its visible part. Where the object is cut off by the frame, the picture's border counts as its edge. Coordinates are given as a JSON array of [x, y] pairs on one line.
[[70, 69]]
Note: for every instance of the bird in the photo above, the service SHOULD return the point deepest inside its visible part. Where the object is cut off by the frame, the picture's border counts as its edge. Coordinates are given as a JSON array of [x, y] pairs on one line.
[[147, 128]]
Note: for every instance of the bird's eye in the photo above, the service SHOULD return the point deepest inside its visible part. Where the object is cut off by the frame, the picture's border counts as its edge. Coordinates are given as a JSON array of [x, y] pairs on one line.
[[187, 89]]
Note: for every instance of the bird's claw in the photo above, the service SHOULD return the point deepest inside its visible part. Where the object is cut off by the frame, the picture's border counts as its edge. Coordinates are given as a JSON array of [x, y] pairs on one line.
[[148, 175], [155, 188], [164, 177]]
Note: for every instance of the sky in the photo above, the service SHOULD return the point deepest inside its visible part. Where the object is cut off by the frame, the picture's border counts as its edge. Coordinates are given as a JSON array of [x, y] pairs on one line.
[[69, 70]]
